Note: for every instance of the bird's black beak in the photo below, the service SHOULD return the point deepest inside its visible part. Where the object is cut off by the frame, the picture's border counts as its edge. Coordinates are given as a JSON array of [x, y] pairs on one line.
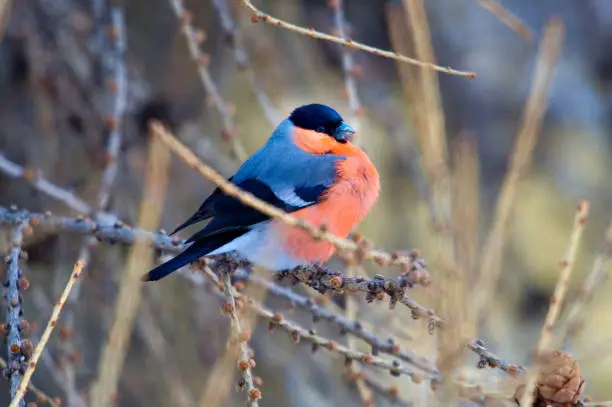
[[344, 133]]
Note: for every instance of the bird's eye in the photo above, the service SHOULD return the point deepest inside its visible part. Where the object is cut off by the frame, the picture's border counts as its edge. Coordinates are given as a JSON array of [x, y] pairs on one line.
[[320, 129]]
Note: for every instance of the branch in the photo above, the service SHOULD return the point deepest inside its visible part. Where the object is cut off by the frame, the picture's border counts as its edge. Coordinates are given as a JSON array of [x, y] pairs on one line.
[[36, 180], [16, 348], [490, 265], [114, 351], [346, 325], [507, 18], [257, 15], [194, 38], [117, 90], [575, 314], [124, 234], [567, 265], [298, 333], [246, 363], [41, 396], [244, 62], [76, 271], [349, 68]]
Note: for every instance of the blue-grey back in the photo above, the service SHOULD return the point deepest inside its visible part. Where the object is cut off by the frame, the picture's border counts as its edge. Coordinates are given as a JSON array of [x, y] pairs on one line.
[[281, 164]]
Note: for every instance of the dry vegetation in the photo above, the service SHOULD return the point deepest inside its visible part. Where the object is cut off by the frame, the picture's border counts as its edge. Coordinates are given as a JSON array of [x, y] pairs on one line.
[[80, 223]]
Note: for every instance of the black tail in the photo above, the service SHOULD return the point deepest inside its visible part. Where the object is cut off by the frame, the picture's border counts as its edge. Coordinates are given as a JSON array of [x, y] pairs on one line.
[[193, 219], [191, 254], [199, 248]]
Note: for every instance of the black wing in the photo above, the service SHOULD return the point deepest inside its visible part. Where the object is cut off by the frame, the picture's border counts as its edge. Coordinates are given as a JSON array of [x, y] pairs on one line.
[[205, 211], [229, 214]]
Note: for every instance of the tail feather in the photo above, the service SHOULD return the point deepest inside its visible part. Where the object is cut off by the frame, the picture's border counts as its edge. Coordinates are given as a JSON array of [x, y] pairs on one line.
[[200, 248], [197, 217], [191, 254]]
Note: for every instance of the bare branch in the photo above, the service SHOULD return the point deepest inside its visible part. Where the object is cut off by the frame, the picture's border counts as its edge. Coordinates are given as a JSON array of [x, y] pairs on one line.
[[258, 15], [243, 61], [567, 265], [576, 314], [238, 335], [507, 18], [41, 184], [27, 376], [490, 265], [41, 395], [117, 91], [194, 38], [13, 327], [128, 299]]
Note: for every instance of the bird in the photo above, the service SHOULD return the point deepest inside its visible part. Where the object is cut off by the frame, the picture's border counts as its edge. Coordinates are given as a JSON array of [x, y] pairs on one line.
[[311, 169]]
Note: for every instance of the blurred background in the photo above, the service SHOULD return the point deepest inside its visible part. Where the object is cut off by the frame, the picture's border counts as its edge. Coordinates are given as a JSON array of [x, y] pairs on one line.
[[53, 105]]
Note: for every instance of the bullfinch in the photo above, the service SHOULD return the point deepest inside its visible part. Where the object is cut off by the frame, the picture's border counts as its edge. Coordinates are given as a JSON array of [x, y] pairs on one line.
[[309, 168]]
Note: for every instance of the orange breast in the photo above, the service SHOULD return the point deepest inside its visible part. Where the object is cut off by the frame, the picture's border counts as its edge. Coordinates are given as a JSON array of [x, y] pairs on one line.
[[344, 205]]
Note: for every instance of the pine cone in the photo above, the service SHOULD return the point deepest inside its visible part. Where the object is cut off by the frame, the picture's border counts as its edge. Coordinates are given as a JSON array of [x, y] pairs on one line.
[[559, 383]]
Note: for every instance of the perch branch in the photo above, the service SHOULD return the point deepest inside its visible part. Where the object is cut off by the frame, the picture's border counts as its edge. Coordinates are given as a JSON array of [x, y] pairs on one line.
[[124, 234]]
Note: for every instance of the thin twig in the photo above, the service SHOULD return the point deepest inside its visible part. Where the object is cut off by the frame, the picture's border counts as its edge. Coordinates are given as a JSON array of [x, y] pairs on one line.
[[194, 38], [350, 86], [345, 324], [128, 299], [508, 18], [27, 376], [349, 68], [431, 133], [567, 266], [298, 333], [243, 61], [490, 265], [576, 314], [258, 15], [34, 178], [13, 327], [199, 280], [52, 365], [41, 395], [241, 337], [117, 90]]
